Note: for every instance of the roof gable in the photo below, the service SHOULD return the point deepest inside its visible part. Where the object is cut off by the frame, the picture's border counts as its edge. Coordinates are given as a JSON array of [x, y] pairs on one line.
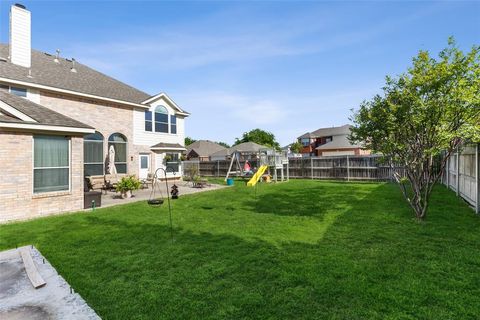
[[163, 96]]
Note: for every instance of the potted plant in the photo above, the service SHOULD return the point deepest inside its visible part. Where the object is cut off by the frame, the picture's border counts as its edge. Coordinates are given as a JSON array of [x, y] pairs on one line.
[[167, 158], [126, 185]]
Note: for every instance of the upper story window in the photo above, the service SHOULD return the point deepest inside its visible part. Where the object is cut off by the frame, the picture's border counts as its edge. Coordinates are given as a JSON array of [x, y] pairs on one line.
[[161, 119], [305, 142], [21, 92], [119, 143], [328, 139], [173, 124], [148, 121]]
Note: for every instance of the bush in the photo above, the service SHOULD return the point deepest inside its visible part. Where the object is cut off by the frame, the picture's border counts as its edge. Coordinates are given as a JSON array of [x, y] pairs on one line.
[[129, 183]]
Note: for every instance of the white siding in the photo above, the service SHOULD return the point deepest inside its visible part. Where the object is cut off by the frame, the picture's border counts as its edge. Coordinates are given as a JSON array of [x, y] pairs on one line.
[[20, 37], [33, 95], [159, 163], [146, 138]]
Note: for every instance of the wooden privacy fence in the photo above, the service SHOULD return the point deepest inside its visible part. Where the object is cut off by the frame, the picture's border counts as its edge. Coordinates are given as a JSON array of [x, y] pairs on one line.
[[341, 167], [462, 174]]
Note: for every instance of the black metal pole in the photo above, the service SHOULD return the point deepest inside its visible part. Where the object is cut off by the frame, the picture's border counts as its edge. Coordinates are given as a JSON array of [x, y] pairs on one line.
[[168, 199]]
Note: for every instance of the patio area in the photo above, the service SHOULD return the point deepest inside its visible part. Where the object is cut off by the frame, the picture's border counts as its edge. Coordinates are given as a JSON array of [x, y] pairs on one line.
[[114, 198]]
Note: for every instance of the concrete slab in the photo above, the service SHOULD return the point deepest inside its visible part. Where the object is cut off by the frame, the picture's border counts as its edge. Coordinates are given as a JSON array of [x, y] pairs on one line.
[[54, 301]]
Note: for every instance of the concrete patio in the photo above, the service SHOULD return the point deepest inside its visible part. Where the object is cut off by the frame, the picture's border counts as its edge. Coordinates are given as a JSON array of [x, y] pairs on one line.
[[114, 198]]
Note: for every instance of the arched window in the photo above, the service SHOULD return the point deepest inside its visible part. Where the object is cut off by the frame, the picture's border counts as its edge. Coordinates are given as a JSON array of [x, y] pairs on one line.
[[119, 143], [161, 119], [93, 154]]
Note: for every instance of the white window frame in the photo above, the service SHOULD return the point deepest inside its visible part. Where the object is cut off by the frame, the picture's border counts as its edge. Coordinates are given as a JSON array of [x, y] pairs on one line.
[[69, 168], [155, 121]]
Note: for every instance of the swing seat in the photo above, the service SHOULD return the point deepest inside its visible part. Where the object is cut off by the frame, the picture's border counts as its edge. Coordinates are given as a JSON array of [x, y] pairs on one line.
[[155, 202]]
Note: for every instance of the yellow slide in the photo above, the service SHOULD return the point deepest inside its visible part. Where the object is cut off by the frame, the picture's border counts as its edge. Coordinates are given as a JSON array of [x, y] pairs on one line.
[[257, 176]]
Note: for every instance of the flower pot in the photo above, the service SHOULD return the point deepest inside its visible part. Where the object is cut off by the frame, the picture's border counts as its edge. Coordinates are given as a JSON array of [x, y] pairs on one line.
[[127, 194]]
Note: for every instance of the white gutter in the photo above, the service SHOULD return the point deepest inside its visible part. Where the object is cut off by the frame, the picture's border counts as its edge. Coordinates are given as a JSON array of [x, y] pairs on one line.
[[42, 127], [75, 93]]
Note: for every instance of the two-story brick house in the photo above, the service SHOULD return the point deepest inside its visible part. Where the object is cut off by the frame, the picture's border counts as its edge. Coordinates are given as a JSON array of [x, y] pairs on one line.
[[329, 142], [58, 119]]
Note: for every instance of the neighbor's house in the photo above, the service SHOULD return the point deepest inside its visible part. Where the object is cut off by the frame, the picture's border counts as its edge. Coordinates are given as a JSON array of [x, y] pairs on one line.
[[246, 150], [58, 119], [330, 142], [202, 150]]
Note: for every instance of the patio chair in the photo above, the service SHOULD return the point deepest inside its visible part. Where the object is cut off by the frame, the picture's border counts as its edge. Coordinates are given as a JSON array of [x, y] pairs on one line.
[[148, 181]]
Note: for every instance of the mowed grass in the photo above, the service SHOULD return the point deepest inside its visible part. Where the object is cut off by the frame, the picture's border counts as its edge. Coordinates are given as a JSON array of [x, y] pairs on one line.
[[296, 250]]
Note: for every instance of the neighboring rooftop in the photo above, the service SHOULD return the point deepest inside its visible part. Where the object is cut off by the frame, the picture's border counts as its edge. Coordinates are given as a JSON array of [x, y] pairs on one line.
[[338, 142], [205, 148], [40, 114], [327, 132], [45, 71], [246, 147]]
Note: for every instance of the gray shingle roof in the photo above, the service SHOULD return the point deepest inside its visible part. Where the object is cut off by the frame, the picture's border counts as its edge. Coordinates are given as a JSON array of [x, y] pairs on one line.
[[327, 132], [204, 148], [41, 114], [338, 142], [45, 71], [246, 147], [168, 145]]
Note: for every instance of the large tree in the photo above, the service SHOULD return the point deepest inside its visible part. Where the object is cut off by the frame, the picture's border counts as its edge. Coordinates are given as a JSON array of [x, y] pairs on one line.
[[259, 136], [422, 117], [296, 147], [223, 144]]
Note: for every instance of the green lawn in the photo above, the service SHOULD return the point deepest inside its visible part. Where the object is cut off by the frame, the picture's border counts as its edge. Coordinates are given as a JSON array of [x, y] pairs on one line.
[[299, 250]]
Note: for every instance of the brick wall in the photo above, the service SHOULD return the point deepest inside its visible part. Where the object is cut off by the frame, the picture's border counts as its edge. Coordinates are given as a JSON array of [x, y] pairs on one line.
[[104, 117], [17, 200]]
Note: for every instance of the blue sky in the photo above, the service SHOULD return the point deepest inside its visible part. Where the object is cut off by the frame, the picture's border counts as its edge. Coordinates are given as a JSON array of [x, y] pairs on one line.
[[284, 66]]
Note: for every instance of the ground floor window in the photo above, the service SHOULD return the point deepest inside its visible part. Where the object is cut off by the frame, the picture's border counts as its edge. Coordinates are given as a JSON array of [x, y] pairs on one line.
[[119, 143], [51, 163], [172, 162], [93, 154]]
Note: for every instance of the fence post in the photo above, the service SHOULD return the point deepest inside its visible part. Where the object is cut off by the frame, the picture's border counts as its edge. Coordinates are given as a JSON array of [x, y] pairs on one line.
[[458, 172], [477, 178], [448, 172], [348, 168], [311, 167]]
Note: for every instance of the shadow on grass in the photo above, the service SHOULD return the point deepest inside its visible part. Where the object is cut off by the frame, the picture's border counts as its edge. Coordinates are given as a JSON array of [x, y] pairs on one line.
[[373, 260], [311, 201]]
